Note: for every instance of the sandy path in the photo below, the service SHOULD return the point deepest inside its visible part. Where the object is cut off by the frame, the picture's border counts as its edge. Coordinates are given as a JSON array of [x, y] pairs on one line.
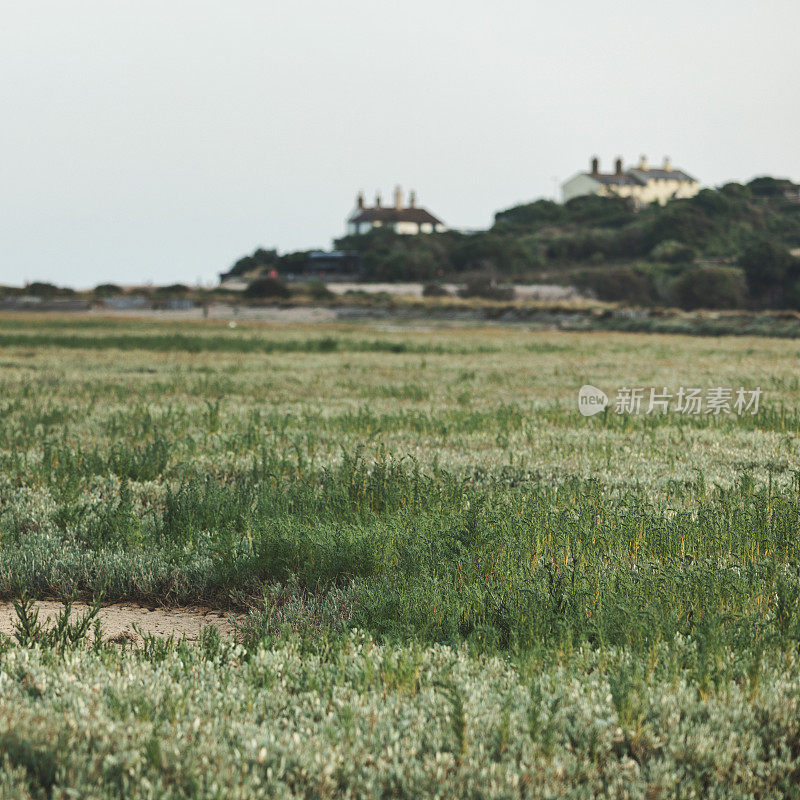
[[117, 619]]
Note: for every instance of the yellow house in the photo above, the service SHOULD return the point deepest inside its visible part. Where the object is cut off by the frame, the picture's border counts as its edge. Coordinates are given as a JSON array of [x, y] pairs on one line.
[[643, 184]]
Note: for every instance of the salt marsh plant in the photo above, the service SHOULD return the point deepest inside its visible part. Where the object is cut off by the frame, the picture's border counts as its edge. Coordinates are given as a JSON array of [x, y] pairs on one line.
[[447, 580], [64, 631]]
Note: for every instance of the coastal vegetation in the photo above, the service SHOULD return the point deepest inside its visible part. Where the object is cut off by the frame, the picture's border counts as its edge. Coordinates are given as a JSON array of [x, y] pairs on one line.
[[446, 580]]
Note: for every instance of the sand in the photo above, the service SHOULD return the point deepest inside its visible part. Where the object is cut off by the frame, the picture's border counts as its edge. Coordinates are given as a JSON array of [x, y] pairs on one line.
[[117, 620]]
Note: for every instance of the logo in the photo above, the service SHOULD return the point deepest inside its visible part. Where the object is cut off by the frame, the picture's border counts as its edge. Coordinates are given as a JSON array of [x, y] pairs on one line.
[[591, 400], [715, 400]]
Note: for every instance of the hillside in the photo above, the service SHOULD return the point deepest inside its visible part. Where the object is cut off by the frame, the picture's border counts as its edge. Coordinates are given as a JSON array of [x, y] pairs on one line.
[[727, 247], [732, 247]]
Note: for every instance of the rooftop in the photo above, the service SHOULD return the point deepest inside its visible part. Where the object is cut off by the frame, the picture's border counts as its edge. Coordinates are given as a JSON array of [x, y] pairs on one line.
[[394, 213], [638, 175], [660, 174], [381, 214]]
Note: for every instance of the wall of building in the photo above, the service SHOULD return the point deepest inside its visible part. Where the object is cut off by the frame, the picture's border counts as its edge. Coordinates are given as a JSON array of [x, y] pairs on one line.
[[580, 185], [657, 190], [662, 190], [406, 227], [625, 190]]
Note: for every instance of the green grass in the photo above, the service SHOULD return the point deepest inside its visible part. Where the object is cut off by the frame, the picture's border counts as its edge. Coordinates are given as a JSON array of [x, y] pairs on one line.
[[455, 582], [223, 344], [501, 560]]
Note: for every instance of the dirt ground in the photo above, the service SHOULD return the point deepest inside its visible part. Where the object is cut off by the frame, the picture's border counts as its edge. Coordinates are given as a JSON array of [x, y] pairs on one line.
[[117, 620]]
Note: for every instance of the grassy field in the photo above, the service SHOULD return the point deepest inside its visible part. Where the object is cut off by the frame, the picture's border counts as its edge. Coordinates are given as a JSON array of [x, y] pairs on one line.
[[450, 582]]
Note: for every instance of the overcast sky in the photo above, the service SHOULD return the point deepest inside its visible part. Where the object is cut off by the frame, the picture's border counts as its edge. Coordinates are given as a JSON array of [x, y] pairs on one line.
[[159, 141]]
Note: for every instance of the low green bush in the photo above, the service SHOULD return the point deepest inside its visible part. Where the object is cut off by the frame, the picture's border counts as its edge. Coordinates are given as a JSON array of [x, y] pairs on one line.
[[263, 288], [710, 287]]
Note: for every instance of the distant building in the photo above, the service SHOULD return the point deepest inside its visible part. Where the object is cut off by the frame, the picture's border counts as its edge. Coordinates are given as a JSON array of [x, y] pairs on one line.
[[410, 219], [774, 188], [333, 265], [643, 184]]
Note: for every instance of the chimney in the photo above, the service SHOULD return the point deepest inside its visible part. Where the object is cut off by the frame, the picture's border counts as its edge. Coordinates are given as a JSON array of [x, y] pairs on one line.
[[412, 199], [667, 164], [643, 163], [360, 199], [398, 197], [377, 199], [595, 165], [618, 166]]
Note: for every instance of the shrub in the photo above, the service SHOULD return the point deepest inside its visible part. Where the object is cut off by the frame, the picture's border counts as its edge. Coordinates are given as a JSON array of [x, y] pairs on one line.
[[267, 287], [628, 242], [770, 187], [531, 215], [45, 289], [680, 221], [174, 288], [792, 296], [672, 252], [108, 288], [765, 265], [606, 212], [630, 284], [490, 251], [736, 190], [260, 259], [715, 204], [317, 290], [434, 290], [710, 287]]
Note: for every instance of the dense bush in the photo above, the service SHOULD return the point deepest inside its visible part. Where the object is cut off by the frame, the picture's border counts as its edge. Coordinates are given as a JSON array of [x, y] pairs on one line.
[[531, 216], [262, 288], [318, 290], [289, 263], [771, 187], [602, 212], [736, 190], [173, 289], [260, 259], [716, 204], [765, 265], [710, 287], [385, 255], [41, 289], [672, 252], [629, 283], [434, 290], [108, 289], [681, 220], [490, 251]]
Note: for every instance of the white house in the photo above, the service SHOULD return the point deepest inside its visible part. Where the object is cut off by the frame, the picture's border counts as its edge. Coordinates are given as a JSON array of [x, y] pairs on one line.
[[643, 184], [410, 219]]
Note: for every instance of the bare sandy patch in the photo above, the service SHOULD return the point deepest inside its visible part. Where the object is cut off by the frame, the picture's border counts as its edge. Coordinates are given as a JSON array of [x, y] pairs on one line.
[[117, 620]]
